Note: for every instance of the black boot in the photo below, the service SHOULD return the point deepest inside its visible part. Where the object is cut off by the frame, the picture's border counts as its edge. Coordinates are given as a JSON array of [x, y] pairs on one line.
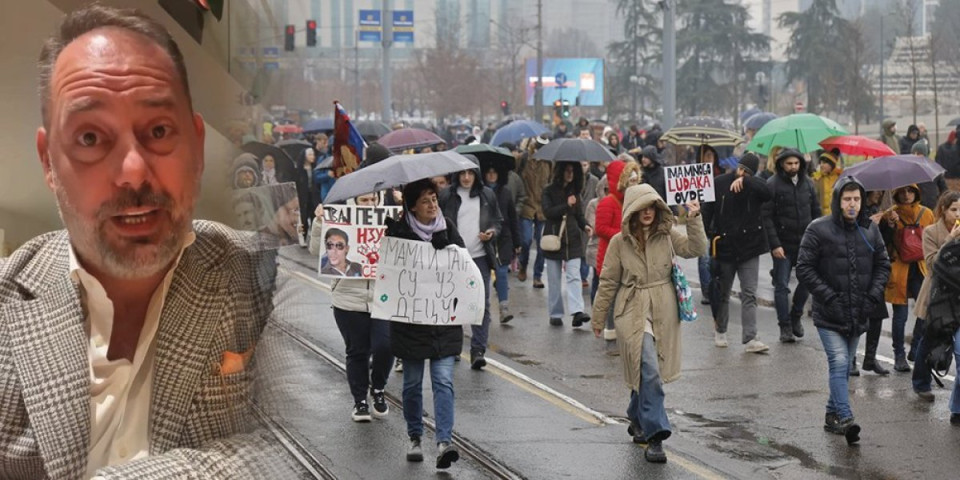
[[786, 334], [797, 324], [870, 352], [854, 372], [900, 364]]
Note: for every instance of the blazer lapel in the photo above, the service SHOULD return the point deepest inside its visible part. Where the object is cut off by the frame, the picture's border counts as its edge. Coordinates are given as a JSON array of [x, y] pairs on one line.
[[48, 341], [191, 314]]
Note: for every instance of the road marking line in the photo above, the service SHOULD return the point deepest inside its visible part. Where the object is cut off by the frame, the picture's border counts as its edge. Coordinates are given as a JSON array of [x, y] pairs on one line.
[[564, 402]]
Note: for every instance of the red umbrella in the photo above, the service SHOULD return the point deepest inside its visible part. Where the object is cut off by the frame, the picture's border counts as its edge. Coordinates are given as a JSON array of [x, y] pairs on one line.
[[857, 145], [404, 138]]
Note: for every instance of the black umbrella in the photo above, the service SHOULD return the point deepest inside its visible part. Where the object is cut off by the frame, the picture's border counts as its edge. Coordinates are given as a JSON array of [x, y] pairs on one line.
[[574, 150], [954, 122], [489, 155], [286, 168], [371, 130], [294, 149], [396, 171]]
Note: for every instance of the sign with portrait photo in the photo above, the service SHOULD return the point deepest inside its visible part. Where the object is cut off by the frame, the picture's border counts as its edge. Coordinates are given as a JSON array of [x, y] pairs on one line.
[[351, 239], [419, 284]]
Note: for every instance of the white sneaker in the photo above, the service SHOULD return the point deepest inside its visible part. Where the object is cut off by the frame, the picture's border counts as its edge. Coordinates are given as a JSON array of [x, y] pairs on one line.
[[609, 333], [720, 339], [755, 346]]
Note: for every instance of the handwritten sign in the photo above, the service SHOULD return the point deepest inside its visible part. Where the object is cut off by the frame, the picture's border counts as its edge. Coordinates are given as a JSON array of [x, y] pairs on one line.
[[419, 284], [690, 182], [351, 239]]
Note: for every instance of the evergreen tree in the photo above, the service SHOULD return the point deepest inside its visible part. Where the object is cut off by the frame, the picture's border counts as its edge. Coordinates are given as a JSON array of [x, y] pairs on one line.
[[817, 38], [629, 57]]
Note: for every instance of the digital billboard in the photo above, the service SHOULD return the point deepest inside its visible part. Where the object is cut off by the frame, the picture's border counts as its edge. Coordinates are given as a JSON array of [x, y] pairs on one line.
[[582, 78]]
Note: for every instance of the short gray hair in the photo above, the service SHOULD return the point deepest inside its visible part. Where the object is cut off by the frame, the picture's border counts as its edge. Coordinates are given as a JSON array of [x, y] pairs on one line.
[[92, 17]]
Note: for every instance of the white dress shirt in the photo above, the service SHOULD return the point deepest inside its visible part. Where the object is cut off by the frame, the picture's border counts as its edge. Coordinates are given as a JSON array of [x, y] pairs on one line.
[[120, 390]]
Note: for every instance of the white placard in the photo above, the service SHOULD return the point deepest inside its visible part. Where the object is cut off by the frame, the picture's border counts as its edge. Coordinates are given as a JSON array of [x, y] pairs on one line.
[[419, 284], [351, 239], [689, 182]]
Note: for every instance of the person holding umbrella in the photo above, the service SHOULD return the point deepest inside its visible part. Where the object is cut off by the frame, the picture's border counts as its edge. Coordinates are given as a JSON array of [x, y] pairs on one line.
[[474, 210], [906, 219], [422, 221], [564, 211]]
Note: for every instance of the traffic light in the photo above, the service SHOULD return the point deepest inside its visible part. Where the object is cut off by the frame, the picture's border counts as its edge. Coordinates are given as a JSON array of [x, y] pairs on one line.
[[288, 38], [566, 109], [311, 33], [558, 108], [504, 107]]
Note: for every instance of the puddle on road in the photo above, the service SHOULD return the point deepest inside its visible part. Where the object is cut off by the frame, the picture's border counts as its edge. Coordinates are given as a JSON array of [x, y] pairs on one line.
[[518, 357], [730, 436]]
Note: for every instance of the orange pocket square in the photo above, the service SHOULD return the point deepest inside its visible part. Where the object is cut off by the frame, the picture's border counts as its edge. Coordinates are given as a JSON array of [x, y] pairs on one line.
[[235, 362]]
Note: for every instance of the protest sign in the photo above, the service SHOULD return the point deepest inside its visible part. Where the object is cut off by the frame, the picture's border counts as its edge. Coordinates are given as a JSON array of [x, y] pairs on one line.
[[272, 211], [419, 284], [689, 182], [351, 239]]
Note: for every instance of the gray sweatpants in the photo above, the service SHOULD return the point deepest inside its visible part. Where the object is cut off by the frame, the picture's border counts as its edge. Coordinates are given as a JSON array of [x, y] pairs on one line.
[[748, 272]]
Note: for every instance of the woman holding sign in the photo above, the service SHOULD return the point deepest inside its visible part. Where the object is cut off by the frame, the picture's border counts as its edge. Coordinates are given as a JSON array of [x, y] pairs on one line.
[[415, 344], [636, 283]]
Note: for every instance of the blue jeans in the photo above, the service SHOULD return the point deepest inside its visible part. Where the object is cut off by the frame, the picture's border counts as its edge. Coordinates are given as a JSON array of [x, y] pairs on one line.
[[782, 268], [900, 312], [480, 333], [530, 231], [441, 379], [646, 407], [584, 270], [363, 337], [922, 376], [840, 349], [554, 285], [703, 268], [501, 284]]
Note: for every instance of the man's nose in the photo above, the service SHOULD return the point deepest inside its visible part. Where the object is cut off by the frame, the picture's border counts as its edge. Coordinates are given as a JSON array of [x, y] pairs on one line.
[[134, 169]]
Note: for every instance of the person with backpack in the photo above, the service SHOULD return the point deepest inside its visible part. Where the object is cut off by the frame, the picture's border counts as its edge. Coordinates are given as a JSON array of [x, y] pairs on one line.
[[903, 233], [934, 238]]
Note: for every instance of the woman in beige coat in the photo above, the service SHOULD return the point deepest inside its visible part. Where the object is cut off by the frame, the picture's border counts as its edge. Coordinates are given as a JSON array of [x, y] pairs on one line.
[[636, 271], [934, 237]]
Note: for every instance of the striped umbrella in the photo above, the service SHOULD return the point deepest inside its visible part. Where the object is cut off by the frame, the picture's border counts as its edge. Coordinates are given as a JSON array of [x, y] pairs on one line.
[[696, 131]]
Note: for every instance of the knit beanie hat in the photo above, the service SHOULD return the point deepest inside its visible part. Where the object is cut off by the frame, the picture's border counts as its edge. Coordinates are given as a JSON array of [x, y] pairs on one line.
[[829, 158], [750, 162]]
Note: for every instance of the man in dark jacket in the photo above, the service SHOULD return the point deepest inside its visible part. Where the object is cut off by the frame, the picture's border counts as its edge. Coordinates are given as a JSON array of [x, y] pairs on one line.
[[735, 228], [929, 191], [844, 264], [948, 156], [907, 141], [561, 201], [653, 170], [475, 212], [792, 206]]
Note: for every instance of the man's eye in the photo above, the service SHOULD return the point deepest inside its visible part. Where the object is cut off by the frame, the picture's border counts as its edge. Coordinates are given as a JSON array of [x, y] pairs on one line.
[[88, 139], [159, 132]]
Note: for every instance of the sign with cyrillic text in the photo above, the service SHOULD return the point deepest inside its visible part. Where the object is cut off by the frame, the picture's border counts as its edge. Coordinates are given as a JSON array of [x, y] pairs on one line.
[[351, 239], [419, 284], [689, 182]]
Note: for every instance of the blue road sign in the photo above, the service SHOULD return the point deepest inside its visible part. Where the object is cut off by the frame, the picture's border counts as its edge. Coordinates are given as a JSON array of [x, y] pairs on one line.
[[403, 26], [371, 26], [561, 79]]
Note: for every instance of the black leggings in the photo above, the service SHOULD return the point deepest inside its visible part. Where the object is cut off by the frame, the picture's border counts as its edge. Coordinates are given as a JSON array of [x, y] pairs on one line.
[[364, 336]]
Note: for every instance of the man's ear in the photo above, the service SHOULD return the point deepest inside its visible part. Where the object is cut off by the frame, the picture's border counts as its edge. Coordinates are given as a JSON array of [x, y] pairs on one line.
[[43, 151], [201, 131]]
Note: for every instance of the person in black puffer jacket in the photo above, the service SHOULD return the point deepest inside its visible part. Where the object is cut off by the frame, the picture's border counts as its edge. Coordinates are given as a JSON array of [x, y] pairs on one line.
[[843, 262], [508, 241], [415, 344], [793, 205], [562, 199]]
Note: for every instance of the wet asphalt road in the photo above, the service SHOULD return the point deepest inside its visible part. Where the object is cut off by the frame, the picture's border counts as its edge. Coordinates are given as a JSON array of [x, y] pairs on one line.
[[735, 415]]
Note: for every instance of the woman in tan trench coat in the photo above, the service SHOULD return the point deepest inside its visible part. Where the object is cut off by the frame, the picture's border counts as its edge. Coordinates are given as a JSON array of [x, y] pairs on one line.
[[636, 271], [934, 237]]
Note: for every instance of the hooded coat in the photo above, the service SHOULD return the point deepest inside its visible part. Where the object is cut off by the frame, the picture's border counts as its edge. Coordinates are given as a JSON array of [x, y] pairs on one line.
[[896, 292], [640, 280], [509, 237], [609, 212], [554, 201], [906, 144], [490, 217], [245, 162], [654, 175], [791, 208], [535, 176], [887, 136], [845, 266], [825, 182]]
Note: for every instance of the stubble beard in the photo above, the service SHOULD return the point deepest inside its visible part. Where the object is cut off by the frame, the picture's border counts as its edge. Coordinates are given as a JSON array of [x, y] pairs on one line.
[[125, 259]]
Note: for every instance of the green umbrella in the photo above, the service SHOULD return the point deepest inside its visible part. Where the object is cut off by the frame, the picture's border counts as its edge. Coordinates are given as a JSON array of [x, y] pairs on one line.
[[803, 131]]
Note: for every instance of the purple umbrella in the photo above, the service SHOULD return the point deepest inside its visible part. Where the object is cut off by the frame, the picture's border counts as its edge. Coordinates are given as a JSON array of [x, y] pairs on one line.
[[405, 138], [895, 171]]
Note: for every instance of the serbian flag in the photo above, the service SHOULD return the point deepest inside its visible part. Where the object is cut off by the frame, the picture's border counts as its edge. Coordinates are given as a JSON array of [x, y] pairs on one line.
[[348, 145]]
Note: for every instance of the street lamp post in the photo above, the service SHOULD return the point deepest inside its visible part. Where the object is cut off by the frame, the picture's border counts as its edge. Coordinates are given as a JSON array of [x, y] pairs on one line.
[[638, 81]]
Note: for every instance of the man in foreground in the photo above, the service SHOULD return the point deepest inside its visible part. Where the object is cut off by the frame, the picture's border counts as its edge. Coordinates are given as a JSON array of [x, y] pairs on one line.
[[128, 337]]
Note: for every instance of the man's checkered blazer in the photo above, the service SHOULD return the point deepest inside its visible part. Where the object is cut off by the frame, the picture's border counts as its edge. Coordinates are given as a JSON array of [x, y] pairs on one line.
[[200, 422]]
